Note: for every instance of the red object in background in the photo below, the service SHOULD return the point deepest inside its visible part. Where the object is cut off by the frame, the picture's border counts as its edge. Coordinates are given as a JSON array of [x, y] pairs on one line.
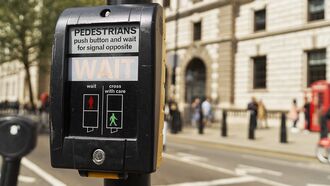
[[44, 98], [320, 103]]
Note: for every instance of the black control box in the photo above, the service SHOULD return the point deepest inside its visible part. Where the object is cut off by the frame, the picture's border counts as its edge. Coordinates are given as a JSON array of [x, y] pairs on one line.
[[107, 89]]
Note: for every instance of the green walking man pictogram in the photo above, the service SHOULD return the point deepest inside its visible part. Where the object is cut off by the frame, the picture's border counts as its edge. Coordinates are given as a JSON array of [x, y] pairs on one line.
[[113, 120]]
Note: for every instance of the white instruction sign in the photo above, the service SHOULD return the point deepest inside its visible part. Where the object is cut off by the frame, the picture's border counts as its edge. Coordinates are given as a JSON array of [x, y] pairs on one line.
[[116, 38]]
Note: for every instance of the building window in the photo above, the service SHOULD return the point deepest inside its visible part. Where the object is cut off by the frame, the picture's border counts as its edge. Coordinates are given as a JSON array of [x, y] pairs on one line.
[[315, 10], [197, 31], [260, 20], [259, 72], [166, 3], [316, 65]]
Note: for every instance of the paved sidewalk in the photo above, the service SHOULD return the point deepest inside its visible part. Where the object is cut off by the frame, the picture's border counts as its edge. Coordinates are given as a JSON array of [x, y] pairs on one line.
[[301, 143]]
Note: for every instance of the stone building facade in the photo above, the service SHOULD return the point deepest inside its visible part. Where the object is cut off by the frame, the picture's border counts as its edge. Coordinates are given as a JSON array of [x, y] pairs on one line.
[[275, 62], [292, 50], [200, 50]]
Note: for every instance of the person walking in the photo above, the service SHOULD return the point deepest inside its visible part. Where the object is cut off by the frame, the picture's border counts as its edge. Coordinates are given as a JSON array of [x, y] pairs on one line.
[[306, 110], [253, 110], [197, 116], [206, 111], [175, 116], [262, 115], [294, 116], [166, 121]]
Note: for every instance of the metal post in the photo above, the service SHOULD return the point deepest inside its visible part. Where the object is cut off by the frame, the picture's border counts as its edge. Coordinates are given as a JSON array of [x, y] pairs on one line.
[[224, 124], [324, 128], [252, 125], [283, 131], [9, 172], [201, 123], [132, 179]]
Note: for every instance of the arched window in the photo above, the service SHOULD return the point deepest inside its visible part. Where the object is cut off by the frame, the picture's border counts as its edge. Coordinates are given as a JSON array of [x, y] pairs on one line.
[[195, 80]]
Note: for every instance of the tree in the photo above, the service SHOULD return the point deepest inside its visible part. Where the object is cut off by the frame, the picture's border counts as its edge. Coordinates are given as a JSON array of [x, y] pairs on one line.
[[19, 35], [27, 29], [48, 20]]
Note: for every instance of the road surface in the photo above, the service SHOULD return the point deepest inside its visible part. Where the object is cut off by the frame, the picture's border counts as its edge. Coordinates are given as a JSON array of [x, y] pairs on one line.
[[193, 163]]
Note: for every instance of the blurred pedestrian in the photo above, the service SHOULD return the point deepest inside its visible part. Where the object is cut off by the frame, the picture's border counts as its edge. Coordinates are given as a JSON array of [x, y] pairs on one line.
[[306, 110], [262, 115], [253, 110], [39, 107], [294, 116], [166, 121], [195, 107], [16, 106], [198, 115], [44, 111], [167, 116], [206, 111], [6, 106], [175, 117]]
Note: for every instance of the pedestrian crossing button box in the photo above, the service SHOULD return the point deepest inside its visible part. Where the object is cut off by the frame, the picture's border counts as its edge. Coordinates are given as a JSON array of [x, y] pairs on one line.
[[107, 89]]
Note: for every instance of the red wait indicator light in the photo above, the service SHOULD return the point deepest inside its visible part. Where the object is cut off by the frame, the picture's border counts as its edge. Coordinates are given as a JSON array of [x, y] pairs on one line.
[[90, 102]]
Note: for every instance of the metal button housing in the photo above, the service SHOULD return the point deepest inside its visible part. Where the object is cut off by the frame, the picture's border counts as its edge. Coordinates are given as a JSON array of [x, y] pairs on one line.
[[98, 156]]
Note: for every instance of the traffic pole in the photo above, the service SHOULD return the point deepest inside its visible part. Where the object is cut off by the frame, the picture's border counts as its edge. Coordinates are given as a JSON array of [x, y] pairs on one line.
[[132, 179], [9, 171]]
